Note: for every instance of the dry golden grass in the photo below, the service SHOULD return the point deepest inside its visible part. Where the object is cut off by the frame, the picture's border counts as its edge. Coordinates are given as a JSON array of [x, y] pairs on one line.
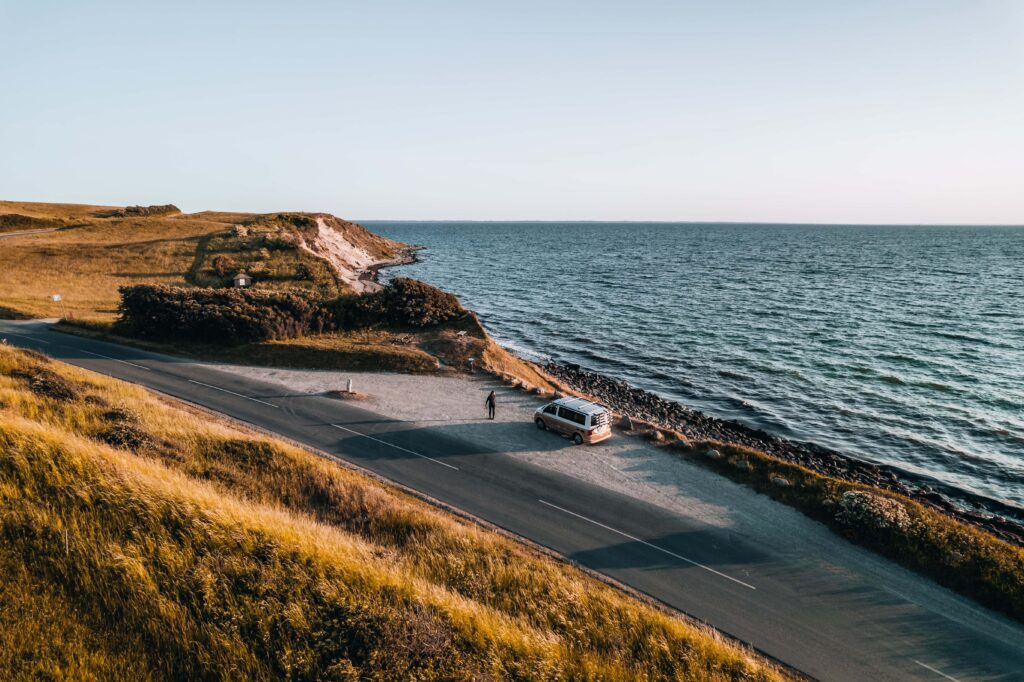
[[86, 265], [139, 540]]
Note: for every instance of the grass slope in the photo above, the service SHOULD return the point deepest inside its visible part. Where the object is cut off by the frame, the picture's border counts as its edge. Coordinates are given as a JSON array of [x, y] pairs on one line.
[[88, 264], [141, 541]]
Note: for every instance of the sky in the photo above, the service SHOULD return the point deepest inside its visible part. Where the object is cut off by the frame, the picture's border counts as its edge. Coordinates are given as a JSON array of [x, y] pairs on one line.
[[898, 111]]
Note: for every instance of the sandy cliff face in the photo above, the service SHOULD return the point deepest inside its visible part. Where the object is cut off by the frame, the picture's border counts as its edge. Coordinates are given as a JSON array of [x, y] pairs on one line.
[[353, 252]]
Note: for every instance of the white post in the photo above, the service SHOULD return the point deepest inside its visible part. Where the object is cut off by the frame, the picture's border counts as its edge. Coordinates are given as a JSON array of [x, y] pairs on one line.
[[349, 389], [60, 299]]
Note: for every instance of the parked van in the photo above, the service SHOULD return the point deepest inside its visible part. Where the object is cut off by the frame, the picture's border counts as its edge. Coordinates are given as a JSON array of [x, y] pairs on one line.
[[581, 420]]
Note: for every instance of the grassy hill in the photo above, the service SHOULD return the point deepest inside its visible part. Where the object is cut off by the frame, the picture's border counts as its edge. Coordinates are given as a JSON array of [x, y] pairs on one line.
[[139, 540], [108, 247]]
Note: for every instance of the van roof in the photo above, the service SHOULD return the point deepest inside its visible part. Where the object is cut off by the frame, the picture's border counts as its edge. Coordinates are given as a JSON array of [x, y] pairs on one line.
[[580, 405]]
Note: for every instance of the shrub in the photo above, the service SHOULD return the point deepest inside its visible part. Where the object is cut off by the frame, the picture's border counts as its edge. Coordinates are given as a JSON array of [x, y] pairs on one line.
[[220, 316], [224, 266], [48, 384], [416, 303], [140, 211], [403, 302]]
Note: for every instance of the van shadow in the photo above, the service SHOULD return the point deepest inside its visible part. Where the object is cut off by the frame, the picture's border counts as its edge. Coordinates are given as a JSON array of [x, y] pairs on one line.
[[710, 546]]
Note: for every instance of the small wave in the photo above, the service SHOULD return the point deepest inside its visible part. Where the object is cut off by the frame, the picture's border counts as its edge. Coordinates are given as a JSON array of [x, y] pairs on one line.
[[891, 379], [937, 386], [957, 336], [903, 359]]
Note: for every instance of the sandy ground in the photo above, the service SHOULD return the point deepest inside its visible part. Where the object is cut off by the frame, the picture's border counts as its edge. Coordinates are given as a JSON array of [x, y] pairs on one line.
[[455, 405]]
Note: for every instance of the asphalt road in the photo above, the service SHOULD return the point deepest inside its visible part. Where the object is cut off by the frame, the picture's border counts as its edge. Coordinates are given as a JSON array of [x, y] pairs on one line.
[[831, 615]]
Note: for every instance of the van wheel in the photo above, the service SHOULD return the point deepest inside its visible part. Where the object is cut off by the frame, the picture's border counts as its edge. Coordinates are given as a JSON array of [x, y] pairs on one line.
[[540, 424], [577, 438]]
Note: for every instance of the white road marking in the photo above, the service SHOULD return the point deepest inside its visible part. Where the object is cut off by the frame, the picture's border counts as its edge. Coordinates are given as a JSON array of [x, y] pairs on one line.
[[397, 447], [937, 672], [30, 338], [107, 357], [648, 544], [224, 390]]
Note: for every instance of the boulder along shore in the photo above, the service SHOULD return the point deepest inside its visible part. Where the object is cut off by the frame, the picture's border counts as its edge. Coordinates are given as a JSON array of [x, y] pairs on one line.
[[695, 425]]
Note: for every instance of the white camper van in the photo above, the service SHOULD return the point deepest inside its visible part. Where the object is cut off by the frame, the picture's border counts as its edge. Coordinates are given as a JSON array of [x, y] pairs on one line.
[[581, 420]]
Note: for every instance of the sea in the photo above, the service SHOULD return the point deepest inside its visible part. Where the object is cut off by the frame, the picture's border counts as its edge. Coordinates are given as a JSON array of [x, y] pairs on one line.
[[900, 345]]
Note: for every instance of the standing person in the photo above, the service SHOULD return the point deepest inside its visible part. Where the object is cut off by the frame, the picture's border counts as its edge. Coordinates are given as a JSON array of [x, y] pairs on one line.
[[490, 405]]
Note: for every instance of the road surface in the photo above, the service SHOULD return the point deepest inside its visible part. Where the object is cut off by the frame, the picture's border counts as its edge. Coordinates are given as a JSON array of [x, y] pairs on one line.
[[830, 609]]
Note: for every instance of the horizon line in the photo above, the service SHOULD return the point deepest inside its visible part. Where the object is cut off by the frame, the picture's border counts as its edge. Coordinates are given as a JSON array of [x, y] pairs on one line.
[[677, 222]]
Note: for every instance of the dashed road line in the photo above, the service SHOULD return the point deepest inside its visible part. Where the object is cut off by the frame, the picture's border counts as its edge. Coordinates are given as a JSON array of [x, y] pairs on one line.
[[649, 544], [107, 357], [935, 670], [224, 390], [397, 447]]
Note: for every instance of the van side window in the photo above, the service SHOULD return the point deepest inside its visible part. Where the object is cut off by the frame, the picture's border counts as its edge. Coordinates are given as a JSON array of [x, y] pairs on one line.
[[572, 415], [550, 409]]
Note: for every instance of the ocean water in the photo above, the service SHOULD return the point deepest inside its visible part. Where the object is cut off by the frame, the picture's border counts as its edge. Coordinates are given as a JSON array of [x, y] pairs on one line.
[[897, 345]]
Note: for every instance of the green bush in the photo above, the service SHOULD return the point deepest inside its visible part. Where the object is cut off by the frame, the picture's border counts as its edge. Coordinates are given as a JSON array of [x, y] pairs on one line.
[[236, 316], [404, 302], [219, 316]]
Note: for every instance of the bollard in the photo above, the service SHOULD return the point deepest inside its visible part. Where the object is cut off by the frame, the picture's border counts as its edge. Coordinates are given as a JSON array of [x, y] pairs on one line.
[[349, 389]]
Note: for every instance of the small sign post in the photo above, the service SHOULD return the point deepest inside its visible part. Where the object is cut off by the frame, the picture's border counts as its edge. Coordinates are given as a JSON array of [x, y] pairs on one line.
[[57, 298]]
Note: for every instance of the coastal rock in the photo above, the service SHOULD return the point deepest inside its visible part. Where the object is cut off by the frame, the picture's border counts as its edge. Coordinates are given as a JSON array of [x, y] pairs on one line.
[[780, 481], [626, 423], [713, 454], [743, 465]]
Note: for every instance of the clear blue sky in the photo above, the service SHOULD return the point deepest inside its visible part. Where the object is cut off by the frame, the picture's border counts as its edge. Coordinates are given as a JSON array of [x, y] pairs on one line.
[[894, 111]]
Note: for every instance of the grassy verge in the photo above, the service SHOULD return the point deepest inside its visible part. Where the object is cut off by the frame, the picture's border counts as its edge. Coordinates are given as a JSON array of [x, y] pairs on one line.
[[957, 555], [141, 541]]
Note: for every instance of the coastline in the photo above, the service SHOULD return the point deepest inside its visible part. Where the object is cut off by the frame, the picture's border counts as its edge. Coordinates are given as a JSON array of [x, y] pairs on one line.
[[1003, 521], [692, 424], [370, 275]]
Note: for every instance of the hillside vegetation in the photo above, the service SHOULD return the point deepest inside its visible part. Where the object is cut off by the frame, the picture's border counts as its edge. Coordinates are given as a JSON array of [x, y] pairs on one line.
[[310, 254], [140, 541], [109, 247]]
